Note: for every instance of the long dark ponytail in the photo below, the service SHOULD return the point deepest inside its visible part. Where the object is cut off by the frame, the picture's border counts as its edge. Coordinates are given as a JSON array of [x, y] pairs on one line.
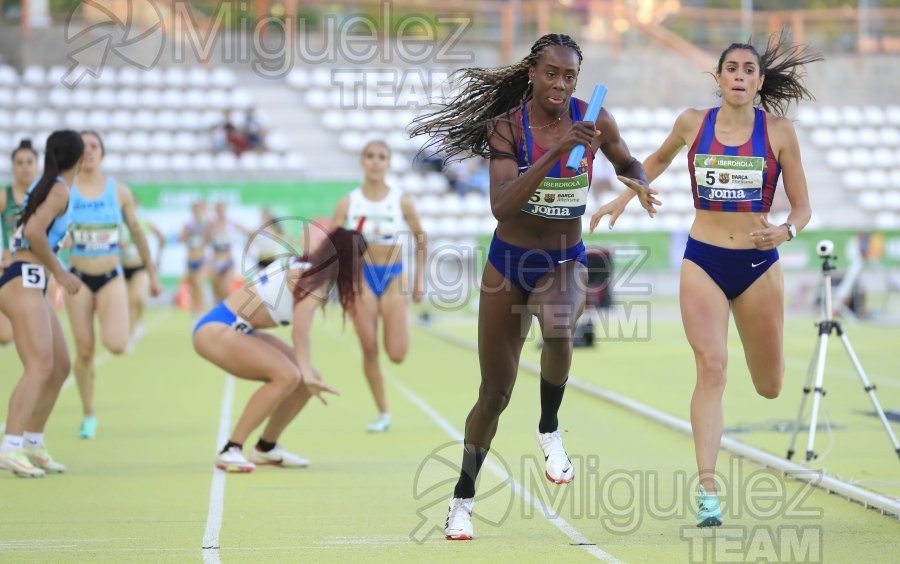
[[64, 149], [782, 65]]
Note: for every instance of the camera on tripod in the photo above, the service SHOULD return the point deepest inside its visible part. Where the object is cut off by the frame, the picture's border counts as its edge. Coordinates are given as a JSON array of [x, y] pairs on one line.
[[825, 248]]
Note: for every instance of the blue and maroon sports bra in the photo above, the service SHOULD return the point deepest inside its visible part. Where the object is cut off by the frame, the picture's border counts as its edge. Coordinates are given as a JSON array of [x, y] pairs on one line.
[[563, 193], [733, 178]]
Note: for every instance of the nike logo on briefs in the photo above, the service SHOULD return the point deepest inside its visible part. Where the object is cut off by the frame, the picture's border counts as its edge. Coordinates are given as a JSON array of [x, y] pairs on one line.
[[755, 264]]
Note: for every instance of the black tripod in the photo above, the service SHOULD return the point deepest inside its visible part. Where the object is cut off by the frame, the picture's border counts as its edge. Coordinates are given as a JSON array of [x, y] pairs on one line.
[[826, 326]]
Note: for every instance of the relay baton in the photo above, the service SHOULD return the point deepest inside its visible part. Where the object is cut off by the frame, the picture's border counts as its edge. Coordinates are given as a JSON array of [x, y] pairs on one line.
[[593, 111]]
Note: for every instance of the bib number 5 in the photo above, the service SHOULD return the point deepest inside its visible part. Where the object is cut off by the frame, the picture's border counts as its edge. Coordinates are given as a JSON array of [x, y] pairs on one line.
[[34, 276]]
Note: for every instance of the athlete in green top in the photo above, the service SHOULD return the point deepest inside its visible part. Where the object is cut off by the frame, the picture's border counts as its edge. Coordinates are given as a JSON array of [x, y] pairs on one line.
[[25, 169]]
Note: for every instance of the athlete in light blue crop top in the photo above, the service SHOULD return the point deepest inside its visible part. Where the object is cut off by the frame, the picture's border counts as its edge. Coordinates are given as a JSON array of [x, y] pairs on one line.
[[100, 207]]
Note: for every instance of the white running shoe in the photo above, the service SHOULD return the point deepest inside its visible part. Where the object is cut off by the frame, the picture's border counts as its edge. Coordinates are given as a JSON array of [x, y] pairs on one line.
[[16, 462], [40, 458], [558, 467], [459, 519], [233, 460], [277, 457], [380, 425]]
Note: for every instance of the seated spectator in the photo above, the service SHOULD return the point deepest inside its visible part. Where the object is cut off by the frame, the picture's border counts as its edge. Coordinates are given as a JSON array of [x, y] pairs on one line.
[[254, 130], [237, 142]]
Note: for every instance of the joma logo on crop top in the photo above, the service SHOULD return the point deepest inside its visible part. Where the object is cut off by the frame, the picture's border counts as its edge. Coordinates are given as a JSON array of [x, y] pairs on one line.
[[719, 194], [547, 210]]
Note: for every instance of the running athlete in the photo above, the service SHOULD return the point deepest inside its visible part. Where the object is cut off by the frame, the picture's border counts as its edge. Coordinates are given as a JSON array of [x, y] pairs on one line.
[[24, 168], [737, 152], [381, 214], [194, 236], [525, 119], [136, 278], [99, 206], [221, 233], [39, 337]]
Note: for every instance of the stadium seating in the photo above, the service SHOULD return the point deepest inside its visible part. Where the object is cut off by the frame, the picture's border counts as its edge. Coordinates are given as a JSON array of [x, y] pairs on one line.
[[155, 123]]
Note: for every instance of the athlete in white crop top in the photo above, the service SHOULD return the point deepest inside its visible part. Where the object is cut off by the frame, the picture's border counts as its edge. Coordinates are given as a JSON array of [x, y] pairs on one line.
[[287, 292], [383, 215]]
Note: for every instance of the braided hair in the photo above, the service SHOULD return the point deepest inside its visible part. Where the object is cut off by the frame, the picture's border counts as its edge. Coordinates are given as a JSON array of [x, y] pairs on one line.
[[782, 66], [464, 125]]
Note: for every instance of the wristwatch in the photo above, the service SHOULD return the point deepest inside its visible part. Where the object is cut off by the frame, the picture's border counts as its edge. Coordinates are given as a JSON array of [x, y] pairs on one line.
[[792, 231]]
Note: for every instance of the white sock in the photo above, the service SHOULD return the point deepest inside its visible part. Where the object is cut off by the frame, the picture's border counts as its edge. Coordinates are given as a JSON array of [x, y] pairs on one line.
[[33, 440], [11, 442]]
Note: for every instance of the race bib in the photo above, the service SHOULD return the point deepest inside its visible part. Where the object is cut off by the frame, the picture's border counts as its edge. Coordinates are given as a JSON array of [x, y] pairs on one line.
[[559, 198], [729, 179], [34, 276], [95, 238], [241, 326]]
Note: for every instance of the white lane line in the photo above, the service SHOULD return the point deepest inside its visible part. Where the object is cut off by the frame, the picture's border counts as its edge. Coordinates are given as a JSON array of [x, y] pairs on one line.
[[574, 535], [210, 547], [814, 477]]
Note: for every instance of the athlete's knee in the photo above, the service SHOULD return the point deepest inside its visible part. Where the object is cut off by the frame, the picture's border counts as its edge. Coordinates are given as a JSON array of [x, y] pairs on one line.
[[769, 390], [84, 351], [117, 345], [711, 368], [62, 367], [493, 401], [396, 353], [769, 387], [557, 322], [287, 378]]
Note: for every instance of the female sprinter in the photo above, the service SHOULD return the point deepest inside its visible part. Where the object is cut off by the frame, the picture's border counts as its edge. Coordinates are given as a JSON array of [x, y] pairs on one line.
[[24, 168], [230, 337], [136, 278], [731, 266], [379, 212], [99, 205], [36, 328]]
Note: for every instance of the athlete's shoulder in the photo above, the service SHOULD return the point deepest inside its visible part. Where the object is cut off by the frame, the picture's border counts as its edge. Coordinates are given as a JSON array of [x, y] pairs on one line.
[[778, 123]]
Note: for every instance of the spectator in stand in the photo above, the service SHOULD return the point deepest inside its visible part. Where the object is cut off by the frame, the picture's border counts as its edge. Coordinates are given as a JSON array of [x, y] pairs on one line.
[[255, 130]]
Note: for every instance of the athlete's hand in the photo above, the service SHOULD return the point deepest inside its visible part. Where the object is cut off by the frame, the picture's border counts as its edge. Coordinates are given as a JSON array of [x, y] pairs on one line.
[[317, 387], [613, 209], [645, 194], [581, 133], [155, 286], [418, 293], [770, 236], [69, 282]]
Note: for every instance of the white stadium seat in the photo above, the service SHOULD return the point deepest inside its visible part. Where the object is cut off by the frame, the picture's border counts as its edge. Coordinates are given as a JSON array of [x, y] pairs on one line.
[[8, 76], [198, 78], [34, 75]]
